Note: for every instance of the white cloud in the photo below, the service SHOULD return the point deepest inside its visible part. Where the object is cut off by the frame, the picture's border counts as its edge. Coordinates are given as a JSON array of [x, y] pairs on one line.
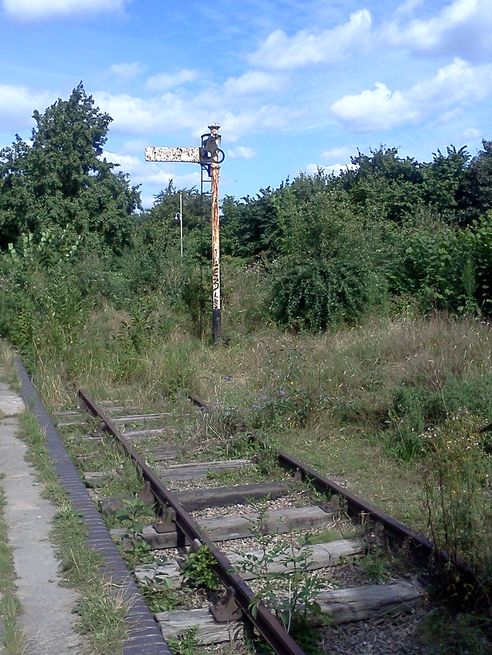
[[165, 81], [336, 153], [280, 51], [472, 133], [453, 87], [335, 169], [126, 70], [249, 120], [252, 82], [127, 163], [374, 109], [241, 152], [17, 104], [454, 83], [461, 28], [173, 112], [42, 9], [408, 7], [135, 115]]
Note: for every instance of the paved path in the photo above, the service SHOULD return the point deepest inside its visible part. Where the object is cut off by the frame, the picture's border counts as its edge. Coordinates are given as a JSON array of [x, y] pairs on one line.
[[47, 617]]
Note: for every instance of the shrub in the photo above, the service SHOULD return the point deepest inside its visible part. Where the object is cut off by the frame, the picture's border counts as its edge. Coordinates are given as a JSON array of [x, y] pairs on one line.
[[416, 409], [456, 479]]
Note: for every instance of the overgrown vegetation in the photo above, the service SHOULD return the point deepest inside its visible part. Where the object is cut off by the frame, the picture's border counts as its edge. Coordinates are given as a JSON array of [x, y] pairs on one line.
[[198, 569], [13, 639], [290, 588], [356, 310], [102, 606]]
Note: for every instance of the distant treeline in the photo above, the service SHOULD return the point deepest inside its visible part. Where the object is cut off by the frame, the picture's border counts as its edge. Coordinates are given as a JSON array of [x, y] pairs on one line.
[[387, 235]]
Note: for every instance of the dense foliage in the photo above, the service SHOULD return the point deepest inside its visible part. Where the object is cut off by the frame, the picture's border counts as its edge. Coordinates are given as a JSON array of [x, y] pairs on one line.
[[388, 235], [59, 185]]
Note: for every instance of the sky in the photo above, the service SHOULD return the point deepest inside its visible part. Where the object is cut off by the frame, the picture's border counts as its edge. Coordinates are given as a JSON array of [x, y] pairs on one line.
[[294, 85]]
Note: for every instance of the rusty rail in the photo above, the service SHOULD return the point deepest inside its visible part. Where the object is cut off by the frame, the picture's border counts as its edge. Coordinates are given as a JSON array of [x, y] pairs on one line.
[[356, 507], [264, 621], [422, 549]]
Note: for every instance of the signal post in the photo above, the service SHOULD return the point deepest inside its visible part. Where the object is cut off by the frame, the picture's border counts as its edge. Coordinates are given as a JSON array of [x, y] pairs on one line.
[[209, 156]]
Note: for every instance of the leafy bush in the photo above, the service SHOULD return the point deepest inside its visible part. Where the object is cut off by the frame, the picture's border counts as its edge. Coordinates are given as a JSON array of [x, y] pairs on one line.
[[198, 570], [455, 479], [416, 409]]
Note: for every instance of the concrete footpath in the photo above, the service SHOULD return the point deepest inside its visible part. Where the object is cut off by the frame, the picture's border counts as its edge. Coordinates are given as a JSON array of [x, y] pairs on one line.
[[47, 619]]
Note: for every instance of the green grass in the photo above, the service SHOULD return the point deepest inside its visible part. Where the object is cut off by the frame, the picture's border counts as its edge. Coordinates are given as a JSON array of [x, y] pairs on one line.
[[357, 404], [13, 639], [462, 634], [102, 606]]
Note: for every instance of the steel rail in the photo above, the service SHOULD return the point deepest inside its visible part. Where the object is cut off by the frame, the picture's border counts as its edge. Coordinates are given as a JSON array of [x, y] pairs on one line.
[[264, 621], [356, 506], [421, 548]]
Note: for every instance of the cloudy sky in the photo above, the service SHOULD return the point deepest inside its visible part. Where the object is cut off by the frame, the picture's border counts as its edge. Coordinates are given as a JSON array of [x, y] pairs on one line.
[[294, 84]]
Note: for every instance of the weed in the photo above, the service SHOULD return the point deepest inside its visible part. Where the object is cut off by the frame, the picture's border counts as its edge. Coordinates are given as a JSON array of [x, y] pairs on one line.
[[185, 644], [377, 565], [134, 515], [135, 551], [291, 591], [199, 571], [102, 608], [326, 535], [456, 476], [162, 596], [266, 462], [458, 634], [103, 616], [417, 408], [12, 636], [239, 475]]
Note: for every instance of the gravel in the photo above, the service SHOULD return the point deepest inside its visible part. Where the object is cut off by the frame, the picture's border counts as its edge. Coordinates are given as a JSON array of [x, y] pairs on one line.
[[395, 636]]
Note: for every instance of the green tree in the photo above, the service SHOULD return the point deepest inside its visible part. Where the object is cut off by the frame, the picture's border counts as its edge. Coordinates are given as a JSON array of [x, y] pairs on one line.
[[444, 182], [60, 183], [383, 185], [478, 186]]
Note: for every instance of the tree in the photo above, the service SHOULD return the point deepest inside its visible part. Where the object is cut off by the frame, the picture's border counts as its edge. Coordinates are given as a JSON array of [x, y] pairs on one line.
[[444, 182], [478, 185], [60, 183], [383, 185]]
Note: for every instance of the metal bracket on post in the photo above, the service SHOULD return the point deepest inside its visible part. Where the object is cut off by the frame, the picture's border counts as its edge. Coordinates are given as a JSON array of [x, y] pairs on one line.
[[227, 609], [167, 522]]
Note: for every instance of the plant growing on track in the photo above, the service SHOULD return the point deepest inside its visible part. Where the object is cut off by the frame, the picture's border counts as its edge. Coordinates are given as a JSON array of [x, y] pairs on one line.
[[379, 564], [134, 549], [185, 644], [162, 596], [198, 569], [134, 515], [290, 587]]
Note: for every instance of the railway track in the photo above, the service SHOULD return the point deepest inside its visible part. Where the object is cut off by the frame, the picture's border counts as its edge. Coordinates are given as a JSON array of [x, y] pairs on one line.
[[265, 524]]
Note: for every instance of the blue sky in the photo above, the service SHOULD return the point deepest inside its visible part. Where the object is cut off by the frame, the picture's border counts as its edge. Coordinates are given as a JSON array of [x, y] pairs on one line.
[[294, 85]]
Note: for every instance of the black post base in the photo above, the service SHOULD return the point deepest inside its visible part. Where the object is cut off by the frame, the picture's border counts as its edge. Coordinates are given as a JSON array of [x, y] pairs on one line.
[[215, 325]]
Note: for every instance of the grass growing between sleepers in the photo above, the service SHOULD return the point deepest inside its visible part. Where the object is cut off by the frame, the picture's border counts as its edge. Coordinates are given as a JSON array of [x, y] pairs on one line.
[[368, 406]]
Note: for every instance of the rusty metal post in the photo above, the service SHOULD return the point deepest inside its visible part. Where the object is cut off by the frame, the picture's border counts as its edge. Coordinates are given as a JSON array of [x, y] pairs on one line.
[[214, 176], [209, 156], [181, 224]]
